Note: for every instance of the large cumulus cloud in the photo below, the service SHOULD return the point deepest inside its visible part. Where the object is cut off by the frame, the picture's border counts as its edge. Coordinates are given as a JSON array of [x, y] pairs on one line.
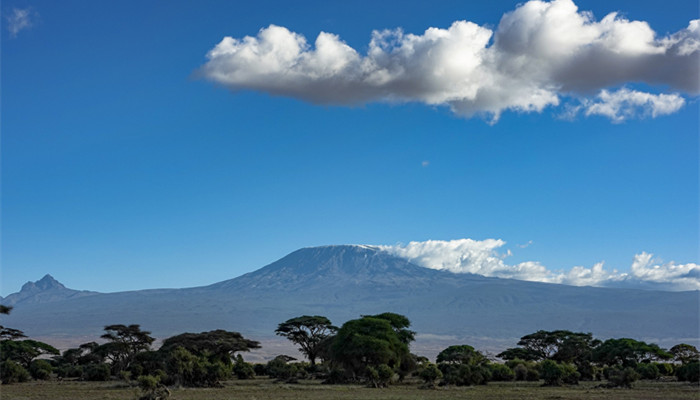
[[541, 53], [484, 258]]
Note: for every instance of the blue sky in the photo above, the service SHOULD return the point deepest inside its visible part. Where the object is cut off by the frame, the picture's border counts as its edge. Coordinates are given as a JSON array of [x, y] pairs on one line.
[[127, 164]]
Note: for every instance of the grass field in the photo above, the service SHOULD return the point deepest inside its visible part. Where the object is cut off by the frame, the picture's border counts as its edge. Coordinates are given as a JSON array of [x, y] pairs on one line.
[[259, 389]]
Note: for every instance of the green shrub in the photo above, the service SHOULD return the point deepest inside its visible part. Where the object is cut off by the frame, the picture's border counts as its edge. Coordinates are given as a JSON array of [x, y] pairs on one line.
[[11, 372], [621, 377], [336, 375], [557, 374], [689, 372], [429, 374], [501, 372], [647, 371], [464, 374], [242, 369], [260, 369], [97, 372], [665, 369], [278, 368], [152, 389], [70, 371], [40, 369], [523, 370]]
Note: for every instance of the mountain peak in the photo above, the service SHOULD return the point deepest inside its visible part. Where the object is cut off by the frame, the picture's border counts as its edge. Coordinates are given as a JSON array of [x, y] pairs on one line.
[[46, 283]]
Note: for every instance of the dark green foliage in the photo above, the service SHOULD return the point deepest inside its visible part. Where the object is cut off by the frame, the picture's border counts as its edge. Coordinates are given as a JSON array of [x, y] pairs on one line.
[[12, 372], [647, 371], [627, 352], [147, 363], [371, 341], [186, 369], [40, 369], [24, 351], [429, 374], [70, 371], [260, 369], [280, 369], [689, 372], [501, 372], [336, 375], [309, 332], [685, 353], [665, 369], [152, 389], [556, 374], [124, 342], [218, 345], [379, 377], [400, 325], [242, 369], [461, 354], [524, 370], [5, 309], [564, 347], [621, 377], [97, 372], [464, 374]]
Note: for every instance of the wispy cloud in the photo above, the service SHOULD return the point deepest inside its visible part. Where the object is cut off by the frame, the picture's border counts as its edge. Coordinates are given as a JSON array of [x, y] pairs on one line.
[[540, 53], [482, 257], [19, 20]]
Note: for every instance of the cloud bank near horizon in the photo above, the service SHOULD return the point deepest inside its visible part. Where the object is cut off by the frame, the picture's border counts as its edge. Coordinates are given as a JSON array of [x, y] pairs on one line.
[[542, 54], [482, 257]]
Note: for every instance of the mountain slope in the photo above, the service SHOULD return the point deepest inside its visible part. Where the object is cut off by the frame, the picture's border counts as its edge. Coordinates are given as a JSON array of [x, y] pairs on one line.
[[344, 282], [47, 289]]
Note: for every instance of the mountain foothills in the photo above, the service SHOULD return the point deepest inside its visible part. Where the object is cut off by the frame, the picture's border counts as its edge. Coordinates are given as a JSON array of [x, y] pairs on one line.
[[344, 282]]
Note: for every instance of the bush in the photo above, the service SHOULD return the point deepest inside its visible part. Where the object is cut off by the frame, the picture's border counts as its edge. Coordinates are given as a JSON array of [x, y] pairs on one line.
[[70, 371], [97, 372], [665, 369], [40, 369], [501, 372], [11, 372], [186, 369], [260, 369], [689, 372], [429, 374], [152, 389], [279, 369], [647, 371], [557, 374], [242, 369], [588, 371], [464, 375], [335, 376], [621, 377], [524, 370]]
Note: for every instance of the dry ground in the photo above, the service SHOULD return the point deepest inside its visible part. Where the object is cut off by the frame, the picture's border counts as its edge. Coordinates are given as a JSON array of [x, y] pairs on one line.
[[260, 389]]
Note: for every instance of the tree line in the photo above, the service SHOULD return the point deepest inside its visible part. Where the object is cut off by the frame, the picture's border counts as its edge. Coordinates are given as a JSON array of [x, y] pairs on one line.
[[372, 350]]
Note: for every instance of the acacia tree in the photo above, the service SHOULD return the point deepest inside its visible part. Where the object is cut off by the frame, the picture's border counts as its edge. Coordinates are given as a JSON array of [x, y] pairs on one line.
[[461, 354], [627, 352], [124, 342], [560, 346], [685, 353], [309, 332], [218, 345]]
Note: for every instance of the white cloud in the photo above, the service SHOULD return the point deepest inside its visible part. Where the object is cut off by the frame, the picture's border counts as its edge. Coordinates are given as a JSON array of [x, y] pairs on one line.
[[539, 53], [18, 20], [625, 104], [482, 257]]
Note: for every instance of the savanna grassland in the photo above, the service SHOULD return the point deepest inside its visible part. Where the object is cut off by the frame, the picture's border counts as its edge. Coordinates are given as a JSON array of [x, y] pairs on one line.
[[262, 388]]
